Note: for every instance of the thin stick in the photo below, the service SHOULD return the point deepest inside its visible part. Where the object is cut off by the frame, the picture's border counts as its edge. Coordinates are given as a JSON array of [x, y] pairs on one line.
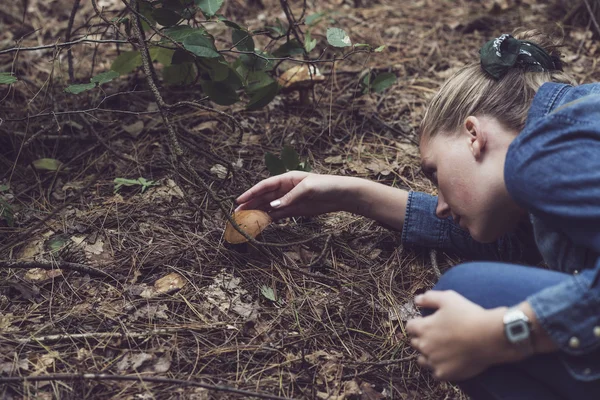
[[138, 378], [57, 265], [68, 37], [66, 44], [109, 335]]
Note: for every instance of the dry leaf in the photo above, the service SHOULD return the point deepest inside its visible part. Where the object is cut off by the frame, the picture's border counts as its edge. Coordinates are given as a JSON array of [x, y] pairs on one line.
[[169, 283], [368, 393], [251, 221], [162, 365], [41, 275], [219, 170], [134, 129], [334, 160], [133, 361]]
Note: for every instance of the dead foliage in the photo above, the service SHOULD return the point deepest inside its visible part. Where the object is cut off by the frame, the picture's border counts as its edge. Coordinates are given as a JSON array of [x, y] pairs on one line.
[[319, 319]]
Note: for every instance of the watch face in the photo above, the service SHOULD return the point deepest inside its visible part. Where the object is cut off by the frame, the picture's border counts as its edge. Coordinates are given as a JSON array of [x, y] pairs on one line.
[[517, 331]]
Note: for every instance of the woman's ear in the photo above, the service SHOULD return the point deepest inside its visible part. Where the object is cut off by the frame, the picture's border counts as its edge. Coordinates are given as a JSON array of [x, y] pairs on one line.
[[476, 136]]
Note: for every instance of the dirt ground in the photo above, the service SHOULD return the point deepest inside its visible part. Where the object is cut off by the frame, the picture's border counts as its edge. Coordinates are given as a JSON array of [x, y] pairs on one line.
[[141, 287]]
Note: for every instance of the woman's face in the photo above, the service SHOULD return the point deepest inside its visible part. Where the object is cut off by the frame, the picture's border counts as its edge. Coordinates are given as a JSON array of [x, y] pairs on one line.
[[468, 170]]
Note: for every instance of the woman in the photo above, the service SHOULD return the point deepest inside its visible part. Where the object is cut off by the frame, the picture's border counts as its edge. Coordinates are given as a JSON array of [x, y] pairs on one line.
[[509, 143]]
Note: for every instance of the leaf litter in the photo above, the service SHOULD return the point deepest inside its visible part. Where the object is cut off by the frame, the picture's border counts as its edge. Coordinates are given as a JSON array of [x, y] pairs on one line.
[[330, 322]]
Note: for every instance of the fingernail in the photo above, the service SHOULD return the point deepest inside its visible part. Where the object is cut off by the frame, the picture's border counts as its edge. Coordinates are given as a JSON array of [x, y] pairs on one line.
[[418, 298], [275, 203]]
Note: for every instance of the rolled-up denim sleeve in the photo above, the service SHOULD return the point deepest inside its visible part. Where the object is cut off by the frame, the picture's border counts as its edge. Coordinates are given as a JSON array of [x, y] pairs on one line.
[[570, 313], [553, 170], [423, 228]]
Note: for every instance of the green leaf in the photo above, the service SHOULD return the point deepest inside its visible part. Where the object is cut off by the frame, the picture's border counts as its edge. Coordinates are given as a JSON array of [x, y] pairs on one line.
[[6, 78], [229, 23], [314, 18], [55, 244], [383, 81], [289, 48], [362, 45], [338, 37], [279, 29], [209, 7], [47, 164], [79, 88], [309, 42], [263, 96], [179, 33], [173, 5], [4, 188], [380, 49], [165, 17], [257, 80], [201, 46], [217, 69], [181, 57], [127, 62], [145, 184], [242, 40], [220, 92], [274, 164], [179, 74], [104, 77], [304, 166], [268, 292], [6, 212], [290, 157], [146, 10], [162, 55], [255, 63]]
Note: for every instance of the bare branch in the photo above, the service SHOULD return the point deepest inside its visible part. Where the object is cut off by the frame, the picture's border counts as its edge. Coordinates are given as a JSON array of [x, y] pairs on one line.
[[66, 44], [137, 378]]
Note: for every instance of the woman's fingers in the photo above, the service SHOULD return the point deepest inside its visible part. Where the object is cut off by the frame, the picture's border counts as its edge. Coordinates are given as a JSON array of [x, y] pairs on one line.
[[260, 203], [268, 185]]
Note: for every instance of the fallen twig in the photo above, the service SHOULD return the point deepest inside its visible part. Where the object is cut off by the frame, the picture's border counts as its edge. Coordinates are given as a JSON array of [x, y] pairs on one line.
[[140, 378], [57, 265]]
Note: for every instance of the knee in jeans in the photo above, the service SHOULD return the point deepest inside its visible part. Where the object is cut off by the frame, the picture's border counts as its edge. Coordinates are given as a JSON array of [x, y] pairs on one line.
[[457, 277]]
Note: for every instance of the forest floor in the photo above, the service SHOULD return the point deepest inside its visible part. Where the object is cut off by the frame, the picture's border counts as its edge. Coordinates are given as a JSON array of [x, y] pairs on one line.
[[140, 285]]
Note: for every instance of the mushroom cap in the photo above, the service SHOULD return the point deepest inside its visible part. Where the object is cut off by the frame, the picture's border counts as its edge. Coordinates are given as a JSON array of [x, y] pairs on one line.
[[251, 221], [300, 77]]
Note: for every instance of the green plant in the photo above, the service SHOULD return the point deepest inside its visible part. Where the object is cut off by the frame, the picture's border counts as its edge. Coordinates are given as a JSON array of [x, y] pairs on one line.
[[145, 184], [189, 55], [373, 82], [6, 211], [289, 161]]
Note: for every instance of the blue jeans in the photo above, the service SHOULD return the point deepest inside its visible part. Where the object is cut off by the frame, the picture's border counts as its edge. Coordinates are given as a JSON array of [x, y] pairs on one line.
[[492, 284]]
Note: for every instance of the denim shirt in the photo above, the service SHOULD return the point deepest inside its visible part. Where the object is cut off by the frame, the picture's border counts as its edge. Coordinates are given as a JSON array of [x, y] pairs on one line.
[[552, 169]]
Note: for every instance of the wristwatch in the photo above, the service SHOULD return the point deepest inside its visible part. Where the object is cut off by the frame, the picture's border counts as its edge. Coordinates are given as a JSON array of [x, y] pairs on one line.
[[517, 329]]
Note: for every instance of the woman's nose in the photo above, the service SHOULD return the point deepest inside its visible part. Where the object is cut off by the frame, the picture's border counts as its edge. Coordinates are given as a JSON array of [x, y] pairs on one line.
[[443, 209]]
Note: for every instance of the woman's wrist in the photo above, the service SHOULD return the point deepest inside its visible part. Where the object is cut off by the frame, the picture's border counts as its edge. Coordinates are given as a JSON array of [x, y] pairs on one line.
[[377, 201], [501, 350]]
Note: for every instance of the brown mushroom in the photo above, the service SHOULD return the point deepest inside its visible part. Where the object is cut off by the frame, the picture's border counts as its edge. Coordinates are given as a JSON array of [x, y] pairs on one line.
[[253, 222], [301, 78]]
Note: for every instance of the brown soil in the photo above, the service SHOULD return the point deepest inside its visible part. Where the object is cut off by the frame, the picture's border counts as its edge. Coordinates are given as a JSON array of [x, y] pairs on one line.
[[319, 319]]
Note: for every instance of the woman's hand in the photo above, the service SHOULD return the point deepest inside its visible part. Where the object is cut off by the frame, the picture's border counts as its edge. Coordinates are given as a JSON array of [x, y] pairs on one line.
[[297, 193], [460, 339]]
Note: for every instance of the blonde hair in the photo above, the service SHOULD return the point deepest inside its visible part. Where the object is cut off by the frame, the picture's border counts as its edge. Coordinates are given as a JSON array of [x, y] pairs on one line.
[[471, 91]]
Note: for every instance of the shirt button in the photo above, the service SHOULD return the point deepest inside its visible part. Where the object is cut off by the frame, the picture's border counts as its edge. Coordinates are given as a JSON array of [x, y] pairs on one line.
[[575, 272], [574, 342], [597, 331]]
